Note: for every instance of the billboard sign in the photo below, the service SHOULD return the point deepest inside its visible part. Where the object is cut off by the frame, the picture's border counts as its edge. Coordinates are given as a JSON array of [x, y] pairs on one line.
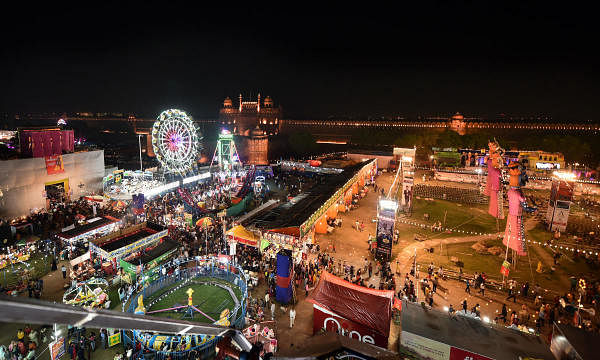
[[54, 164]]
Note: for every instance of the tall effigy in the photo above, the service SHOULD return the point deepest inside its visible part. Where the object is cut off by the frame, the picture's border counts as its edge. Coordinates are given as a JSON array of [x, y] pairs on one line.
[[514, 234], [493, 187]]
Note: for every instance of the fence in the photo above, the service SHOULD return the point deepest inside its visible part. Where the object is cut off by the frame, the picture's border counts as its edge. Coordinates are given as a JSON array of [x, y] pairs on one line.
[[189, 269]]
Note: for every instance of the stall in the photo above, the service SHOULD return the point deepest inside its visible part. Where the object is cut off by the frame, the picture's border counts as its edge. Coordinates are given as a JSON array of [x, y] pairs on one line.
[[120, 244], [146, 261], [97, 226]]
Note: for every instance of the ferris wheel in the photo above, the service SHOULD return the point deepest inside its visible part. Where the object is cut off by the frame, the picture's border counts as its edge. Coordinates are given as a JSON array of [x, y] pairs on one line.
[[175, 141]]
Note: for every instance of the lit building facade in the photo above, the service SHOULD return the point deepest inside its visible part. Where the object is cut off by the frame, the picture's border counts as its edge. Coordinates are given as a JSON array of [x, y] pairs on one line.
[[244, 117], [258, 147]]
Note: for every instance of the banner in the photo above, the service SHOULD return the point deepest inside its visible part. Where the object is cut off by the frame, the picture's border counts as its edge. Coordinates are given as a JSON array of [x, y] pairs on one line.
[[114, 339], [57, 348], [323, 319], [54, 164]]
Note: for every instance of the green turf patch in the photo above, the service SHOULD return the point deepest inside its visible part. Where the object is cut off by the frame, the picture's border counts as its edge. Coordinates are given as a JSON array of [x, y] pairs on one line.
[[210, 299], [469, 218]]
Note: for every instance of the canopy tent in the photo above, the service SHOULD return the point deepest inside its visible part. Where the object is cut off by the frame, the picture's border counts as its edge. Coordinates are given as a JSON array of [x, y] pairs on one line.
[[433, 334], [340, 306], [240, 234], [205, 222], [569, 342]]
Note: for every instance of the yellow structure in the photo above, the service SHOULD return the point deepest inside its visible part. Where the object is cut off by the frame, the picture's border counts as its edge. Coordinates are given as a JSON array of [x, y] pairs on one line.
[[140, 309], [189, 292]]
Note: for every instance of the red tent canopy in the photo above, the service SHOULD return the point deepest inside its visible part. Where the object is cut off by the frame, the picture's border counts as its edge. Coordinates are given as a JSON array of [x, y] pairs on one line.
[[369, 307]]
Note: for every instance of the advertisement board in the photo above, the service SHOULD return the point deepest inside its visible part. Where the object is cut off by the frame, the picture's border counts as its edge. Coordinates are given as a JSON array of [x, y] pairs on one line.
[[435, 350], [329, 321], [427, 348], [114, 339], [385, 233], [57, 348], [54, 164]]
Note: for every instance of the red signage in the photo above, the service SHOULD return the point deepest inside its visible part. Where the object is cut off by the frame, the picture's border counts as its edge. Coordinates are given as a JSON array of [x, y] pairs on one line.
[[345, 327], [460, 354], [54, 164]]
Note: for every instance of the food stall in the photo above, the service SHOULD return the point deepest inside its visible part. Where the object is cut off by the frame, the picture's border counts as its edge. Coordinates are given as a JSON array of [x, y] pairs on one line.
[[120, 244], [97, 226], [146, 261]]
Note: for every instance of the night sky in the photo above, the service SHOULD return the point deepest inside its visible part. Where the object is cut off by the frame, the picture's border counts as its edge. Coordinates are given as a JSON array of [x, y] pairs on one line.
[[316, 60]]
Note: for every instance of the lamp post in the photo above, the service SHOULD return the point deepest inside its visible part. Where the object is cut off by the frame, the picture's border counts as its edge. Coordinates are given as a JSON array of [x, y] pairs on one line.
[[140, 146]]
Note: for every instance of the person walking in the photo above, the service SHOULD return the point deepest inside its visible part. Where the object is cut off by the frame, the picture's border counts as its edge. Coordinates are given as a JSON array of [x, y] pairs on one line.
[[267, 297], [103, 338], [503, 313], [468, 287], [482, 288], [64, 271], [292, 317], [272, 311], [511, 291]]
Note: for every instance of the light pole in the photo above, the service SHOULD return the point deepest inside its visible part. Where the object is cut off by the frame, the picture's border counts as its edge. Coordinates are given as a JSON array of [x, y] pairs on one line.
[[140, 146]]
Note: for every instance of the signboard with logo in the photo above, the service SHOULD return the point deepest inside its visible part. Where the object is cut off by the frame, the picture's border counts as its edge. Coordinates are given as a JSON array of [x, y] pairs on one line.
[[324, 319], [559, 205]]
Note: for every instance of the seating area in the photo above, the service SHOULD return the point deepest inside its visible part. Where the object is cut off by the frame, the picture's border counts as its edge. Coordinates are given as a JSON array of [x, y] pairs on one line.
[[466, 196]]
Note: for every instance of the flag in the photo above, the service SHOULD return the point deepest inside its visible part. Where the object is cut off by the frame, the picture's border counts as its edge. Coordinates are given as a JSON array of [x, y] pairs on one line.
[[505, 269]]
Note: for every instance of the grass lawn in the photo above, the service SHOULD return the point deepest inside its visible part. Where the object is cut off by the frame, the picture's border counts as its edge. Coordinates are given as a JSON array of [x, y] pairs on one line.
[[37, 266], [470, 218], [473, 262], [211, 300], [490, 264]]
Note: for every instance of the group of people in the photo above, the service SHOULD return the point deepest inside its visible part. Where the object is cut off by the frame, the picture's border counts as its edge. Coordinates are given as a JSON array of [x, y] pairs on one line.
[[23, 346]]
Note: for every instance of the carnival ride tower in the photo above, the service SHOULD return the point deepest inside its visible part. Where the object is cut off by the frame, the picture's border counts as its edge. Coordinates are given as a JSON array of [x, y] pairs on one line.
[[226, 155]]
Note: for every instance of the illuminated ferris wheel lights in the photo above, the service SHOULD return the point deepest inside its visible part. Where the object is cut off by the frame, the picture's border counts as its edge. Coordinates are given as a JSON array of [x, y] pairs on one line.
[[175, 141]]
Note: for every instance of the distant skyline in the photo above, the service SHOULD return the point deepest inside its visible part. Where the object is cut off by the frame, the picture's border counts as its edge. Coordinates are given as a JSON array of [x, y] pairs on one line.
[[315, 60]]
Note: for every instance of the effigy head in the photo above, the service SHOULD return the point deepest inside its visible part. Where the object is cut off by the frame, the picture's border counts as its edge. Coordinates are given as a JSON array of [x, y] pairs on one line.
[[514, 170]]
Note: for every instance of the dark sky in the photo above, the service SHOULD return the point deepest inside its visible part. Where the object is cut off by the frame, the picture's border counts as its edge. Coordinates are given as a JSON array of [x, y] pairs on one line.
[[315, 59]]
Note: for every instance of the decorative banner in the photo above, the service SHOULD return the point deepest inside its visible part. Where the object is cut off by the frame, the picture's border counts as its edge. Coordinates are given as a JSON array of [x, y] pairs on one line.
[[54, 164], [505, 269], [114, 339], [57, 348]]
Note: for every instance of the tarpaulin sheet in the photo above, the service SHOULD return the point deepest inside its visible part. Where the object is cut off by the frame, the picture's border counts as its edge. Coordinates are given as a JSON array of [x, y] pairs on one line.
[[370, 307]]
